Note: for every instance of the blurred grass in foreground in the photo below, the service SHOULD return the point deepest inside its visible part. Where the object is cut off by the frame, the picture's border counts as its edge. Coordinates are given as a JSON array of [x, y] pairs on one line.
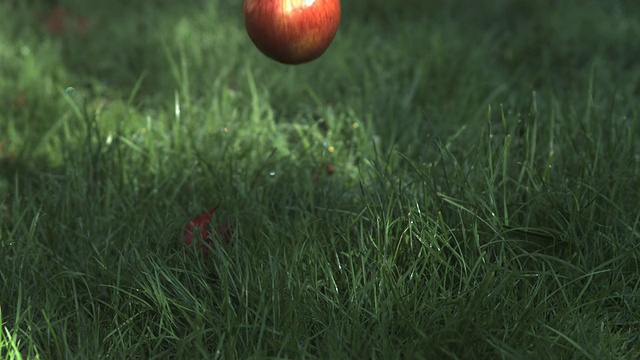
[[484, 201]]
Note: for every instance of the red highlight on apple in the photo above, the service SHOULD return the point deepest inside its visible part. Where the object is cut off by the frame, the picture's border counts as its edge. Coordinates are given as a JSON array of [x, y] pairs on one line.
[[292, 31]]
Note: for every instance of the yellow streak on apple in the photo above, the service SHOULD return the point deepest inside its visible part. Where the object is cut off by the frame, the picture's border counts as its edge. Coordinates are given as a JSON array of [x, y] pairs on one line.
[[302, 46]]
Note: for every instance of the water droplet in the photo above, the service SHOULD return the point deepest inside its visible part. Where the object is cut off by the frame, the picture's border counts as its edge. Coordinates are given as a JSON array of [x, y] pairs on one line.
[[272, 173], [70, 90]]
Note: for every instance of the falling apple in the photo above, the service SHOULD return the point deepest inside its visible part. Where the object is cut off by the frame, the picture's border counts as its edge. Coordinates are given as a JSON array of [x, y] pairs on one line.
[[292, 31]]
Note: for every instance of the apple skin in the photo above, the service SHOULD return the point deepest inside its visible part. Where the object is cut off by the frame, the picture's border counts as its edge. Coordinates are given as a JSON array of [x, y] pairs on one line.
[[292, 31]]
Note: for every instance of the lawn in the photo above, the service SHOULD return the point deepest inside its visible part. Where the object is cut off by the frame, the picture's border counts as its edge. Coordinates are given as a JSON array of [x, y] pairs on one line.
[[453, 179]]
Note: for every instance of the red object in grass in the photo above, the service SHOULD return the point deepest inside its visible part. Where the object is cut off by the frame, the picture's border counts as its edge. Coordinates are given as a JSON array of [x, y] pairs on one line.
[[8, 156], [201, 224], [330, 169], [56, 20], [59, 21]]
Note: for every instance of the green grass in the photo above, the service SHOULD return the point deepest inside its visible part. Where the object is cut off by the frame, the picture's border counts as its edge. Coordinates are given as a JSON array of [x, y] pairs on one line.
[[484, 202]]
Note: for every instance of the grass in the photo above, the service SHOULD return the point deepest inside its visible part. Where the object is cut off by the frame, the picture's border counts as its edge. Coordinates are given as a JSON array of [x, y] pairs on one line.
[[484, 202]]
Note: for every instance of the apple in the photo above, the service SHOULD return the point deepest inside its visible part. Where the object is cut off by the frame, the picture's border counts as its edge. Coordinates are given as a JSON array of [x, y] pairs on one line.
[[292, 31]]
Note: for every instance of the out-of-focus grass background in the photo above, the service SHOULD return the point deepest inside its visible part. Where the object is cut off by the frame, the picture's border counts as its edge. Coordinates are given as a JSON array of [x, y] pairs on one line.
[[483, 201]]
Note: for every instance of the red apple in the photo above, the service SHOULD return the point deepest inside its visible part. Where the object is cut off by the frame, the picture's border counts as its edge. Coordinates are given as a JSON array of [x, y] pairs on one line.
[[292, 31]]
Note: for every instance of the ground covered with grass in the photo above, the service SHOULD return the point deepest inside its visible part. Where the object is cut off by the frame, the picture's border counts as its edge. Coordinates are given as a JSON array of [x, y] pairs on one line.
[[450, 180]]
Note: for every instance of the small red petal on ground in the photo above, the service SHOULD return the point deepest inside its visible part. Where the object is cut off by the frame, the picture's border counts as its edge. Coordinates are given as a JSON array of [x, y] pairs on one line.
[[200, 224], [8, 156], [330, 168], [83, 24], [19, 102], [55, 21], [59, 21], [224, 231]]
